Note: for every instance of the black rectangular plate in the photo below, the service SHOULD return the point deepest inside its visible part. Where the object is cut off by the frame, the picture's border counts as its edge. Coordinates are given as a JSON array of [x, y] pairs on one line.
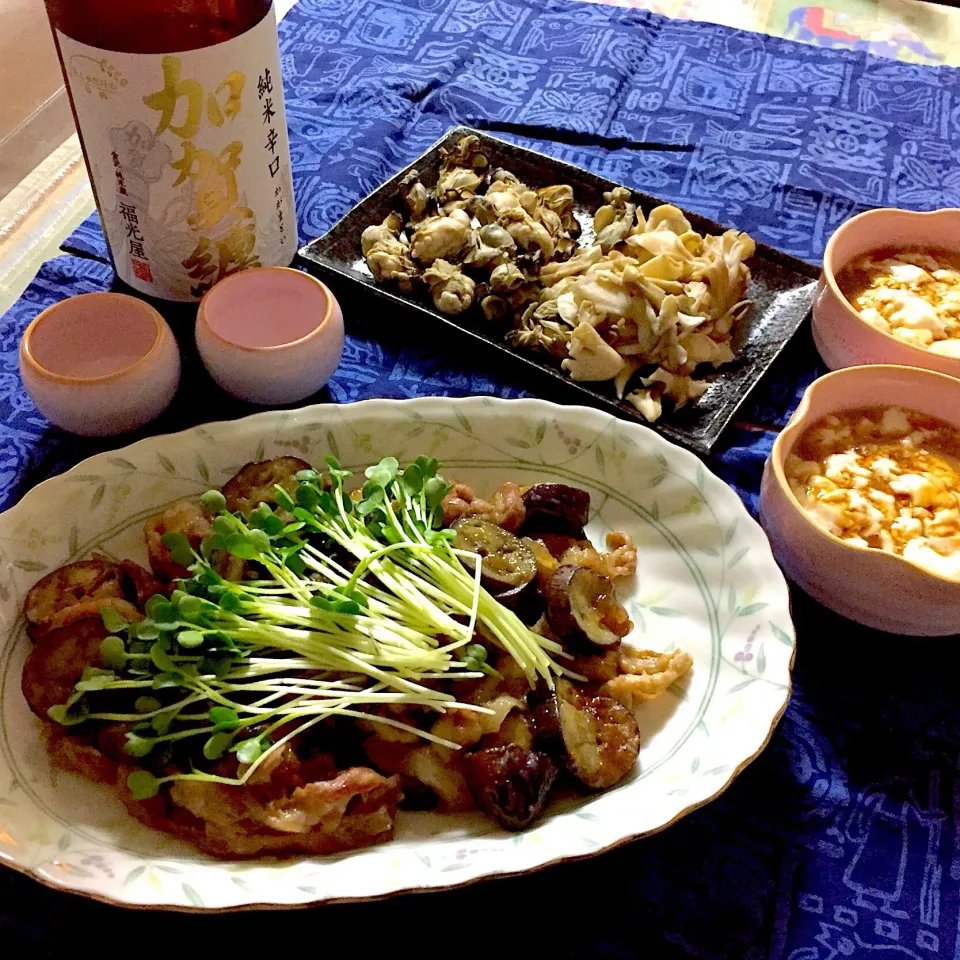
[[781, 288]]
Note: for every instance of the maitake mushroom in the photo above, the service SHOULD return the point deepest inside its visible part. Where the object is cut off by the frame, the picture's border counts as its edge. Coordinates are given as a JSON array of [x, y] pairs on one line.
[[614, 221]]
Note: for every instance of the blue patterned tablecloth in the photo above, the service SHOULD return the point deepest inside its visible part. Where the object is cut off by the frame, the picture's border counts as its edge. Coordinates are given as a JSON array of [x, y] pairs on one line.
[[840, 841]]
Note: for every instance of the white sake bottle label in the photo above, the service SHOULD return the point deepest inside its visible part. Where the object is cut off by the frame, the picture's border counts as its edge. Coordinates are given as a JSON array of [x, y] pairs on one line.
[[190, 159]]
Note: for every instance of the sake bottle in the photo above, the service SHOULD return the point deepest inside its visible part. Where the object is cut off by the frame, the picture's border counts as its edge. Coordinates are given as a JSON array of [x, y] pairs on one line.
[[179, 106]]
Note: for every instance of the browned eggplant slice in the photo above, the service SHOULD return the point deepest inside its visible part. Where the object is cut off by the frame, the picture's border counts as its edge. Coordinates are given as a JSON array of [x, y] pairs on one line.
[[577, 605], [555, 508], [508, 565], [141, 583], [87, 582], [596, 738], [57, 662], [254, 483], [510, 784]]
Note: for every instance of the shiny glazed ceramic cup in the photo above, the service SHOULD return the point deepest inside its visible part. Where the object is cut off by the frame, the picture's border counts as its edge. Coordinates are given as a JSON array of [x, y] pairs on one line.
[[100, 364], [842, 337], [271, 335], [875, 588]]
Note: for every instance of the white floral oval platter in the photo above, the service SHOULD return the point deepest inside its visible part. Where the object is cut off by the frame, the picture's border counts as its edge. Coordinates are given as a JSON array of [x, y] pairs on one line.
[[707, 582]]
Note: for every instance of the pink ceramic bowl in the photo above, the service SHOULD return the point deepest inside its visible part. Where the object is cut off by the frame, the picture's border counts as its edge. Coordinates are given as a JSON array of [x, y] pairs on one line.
[[842, 338], [271, 335], [100, 364], [875, 588]]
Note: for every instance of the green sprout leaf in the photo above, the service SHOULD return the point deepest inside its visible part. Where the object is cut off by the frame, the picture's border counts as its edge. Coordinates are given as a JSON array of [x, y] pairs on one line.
[[223, 718], [284, 500], [164, 681], [213, 501], [224, 526], [217, 745], [137, 746], [190, 639], [93, 678], [434, 490], [383, 473], [113, 652], [143, 785], [146, 704], [146, 630], [160, 724], [260, 540], [249, 751], [179, 548], [161, 658], [112, 620], [242, 546]]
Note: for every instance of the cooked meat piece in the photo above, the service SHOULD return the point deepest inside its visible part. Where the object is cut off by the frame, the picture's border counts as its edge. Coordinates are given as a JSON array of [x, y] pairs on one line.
[[56, 663], [254, 483], [622, 559], [594, 736], [325, 804], [184, 517], [443, 776], [510, 784], [356, 808], [436, 768], [505, 509], [599, 668], [71, 593], [466, 727], [645, 675], [512, 682], [620, 562], [79, 755]]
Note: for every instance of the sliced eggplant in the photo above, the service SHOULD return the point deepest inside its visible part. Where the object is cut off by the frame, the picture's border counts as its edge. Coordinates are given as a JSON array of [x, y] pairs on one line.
[[255, 483], [141, 584], [510, 784], [77, 588], [57, 662], [594, 737], [556, 508], [578, 602], [508, 565]]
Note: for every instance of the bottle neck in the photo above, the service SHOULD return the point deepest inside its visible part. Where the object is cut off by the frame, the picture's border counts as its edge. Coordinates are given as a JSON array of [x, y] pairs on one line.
[[155, 26]]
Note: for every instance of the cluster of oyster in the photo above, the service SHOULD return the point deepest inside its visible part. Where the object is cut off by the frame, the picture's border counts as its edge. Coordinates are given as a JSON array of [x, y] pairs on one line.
[[649, 296], [480, 236]]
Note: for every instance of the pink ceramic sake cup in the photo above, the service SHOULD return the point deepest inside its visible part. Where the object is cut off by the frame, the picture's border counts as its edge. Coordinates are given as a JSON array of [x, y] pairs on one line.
[[270, 335], [875, 588], [100, 364], [842, 337]]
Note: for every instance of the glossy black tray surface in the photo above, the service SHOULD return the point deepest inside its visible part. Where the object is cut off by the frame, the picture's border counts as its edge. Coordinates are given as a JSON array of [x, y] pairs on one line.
[[781, 289]]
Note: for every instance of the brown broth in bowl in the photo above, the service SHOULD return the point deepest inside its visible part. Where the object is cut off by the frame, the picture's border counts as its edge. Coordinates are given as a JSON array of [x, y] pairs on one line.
[[884, 478], [910, 293]]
